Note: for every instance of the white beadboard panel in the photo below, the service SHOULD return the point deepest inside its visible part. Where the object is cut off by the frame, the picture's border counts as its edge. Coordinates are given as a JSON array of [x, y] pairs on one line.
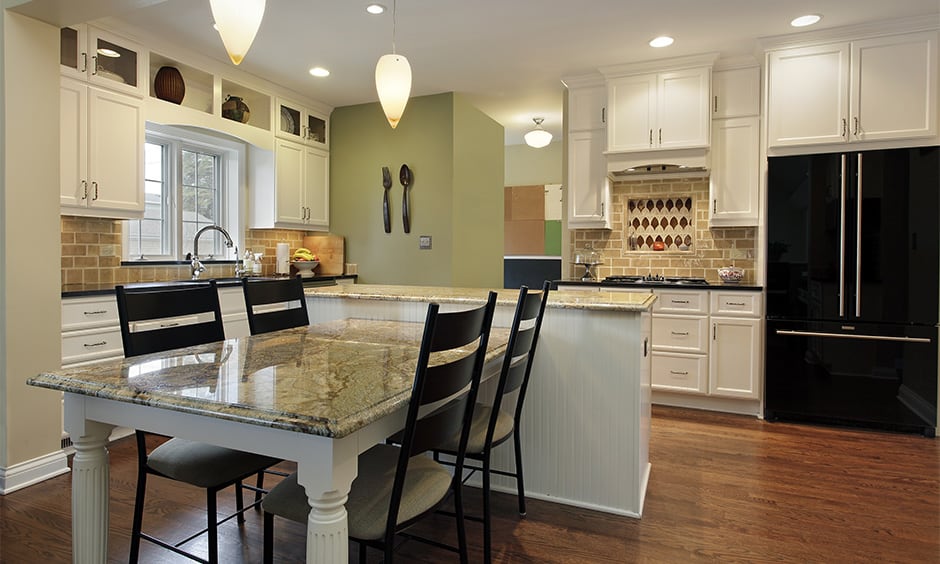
[[585, 426]]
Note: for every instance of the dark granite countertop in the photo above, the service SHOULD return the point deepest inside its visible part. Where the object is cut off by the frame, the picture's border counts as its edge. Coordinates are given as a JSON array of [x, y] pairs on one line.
[[661, 285], [78, 290]]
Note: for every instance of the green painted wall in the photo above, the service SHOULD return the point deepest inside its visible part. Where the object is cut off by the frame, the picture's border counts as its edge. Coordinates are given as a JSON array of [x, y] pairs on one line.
[[443, 140], [526, 166]]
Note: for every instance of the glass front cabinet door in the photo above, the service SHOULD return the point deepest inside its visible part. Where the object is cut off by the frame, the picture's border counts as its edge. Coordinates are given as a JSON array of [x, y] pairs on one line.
[[101, 58]]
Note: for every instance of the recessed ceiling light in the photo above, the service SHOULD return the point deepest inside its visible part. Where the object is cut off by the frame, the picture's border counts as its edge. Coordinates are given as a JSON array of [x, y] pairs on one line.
[[319, 72], [661, 41], [806, 20], [108, 52], [375, 9]]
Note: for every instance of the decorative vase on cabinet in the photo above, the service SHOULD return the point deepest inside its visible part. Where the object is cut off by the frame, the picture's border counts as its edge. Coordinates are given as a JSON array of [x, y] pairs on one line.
[[168, 85], [235, 109]]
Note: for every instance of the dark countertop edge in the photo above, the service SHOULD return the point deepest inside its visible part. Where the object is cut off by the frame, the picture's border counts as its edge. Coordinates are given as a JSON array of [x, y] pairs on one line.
[[717, 286], [84, 290]]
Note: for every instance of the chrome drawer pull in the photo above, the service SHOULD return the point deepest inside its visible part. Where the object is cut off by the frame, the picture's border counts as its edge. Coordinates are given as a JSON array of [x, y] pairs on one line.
[[98, 344], [99, 312], [685, 334], [680, 301], [736, 303], [678, 373]]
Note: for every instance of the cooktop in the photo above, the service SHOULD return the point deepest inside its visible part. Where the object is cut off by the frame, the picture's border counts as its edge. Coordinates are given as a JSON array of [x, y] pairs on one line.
[[654, 279]]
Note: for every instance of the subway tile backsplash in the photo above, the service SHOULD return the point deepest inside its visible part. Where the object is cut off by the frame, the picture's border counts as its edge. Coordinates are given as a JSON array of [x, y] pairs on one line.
[[92, 250], [700, 252]]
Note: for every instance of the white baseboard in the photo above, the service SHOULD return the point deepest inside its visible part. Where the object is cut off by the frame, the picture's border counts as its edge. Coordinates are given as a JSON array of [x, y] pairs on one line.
[[33, 471]]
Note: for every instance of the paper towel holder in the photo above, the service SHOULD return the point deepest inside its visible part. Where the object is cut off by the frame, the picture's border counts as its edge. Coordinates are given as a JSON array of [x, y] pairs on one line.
[[282, 259]]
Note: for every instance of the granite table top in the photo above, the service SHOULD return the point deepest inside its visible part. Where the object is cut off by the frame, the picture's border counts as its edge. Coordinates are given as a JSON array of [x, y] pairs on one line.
[[605, 301], [327, 379]]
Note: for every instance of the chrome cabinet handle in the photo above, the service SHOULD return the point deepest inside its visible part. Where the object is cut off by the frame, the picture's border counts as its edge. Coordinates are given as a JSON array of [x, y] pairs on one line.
[[787, 333], [84, 62], [94, 64], [95, 184], [858, 240], [716, 104], [680, 301], [84, 189], [735, 303], [715, 205], [660, 135], [603, 115], [651, 137], [844, 127], [855, 127]]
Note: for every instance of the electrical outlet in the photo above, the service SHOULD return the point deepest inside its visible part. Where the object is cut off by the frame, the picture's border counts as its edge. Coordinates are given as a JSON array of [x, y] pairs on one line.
[[424, 242]]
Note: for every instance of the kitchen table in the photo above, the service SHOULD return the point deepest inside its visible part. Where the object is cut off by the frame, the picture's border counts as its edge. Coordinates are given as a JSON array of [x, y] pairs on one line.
[[317, 395]]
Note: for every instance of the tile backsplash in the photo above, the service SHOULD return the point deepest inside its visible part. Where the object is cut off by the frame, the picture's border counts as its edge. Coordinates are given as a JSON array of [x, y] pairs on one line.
[[92, 251], [634, 201]]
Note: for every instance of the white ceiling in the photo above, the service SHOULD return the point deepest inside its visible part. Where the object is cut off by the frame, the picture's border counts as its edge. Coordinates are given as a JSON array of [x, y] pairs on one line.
[[505, 56]]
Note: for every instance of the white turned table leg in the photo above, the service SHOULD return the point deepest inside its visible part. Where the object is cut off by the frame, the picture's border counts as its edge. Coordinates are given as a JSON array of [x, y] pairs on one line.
[[326, 474], [90, 495], [327, 529]]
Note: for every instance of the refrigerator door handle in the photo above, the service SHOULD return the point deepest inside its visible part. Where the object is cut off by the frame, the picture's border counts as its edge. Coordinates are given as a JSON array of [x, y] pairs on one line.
[[842, 241], [844, 336], [858, 239]]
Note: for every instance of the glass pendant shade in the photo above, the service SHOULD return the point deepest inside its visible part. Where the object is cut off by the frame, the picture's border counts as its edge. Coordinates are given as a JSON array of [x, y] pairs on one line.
[[538, 137], [393, 85], [238, 22]]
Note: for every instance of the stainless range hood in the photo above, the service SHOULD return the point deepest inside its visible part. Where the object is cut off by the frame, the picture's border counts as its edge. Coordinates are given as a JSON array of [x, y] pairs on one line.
[[673, 164]]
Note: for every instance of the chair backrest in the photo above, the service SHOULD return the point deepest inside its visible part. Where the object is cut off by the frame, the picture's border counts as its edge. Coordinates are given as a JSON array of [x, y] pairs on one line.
[[273, 305], [444, 391], [520, 352], [165, 317]]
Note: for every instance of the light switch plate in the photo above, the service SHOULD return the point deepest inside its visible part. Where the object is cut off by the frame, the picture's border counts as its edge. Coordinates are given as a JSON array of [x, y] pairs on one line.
[[424, 241]]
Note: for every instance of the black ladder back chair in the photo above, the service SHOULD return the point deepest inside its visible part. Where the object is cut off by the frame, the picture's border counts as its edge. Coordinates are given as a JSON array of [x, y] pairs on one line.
[[492, 424], [164, 317], [396, 486], [273, 305]]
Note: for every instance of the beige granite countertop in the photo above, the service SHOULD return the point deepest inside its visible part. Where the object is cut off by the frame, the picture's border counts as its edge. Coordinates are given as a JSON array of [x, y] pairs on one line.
[[606, 301], [327, 379]]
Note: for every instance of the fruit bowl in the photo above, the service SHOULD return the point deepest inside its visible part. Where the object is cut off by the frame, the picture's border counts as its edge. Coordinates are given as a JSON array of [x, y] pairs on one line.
[[731, 274], [305, 267]]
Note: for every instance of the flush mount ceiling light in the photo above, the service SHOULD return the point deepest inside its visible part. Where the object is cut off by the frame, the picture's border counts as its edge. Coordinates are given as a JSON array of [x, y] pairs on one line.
[[806, 20], [538, 137], [319, 72], [375, 9], [237, 22], [661, 41], [393, 80]]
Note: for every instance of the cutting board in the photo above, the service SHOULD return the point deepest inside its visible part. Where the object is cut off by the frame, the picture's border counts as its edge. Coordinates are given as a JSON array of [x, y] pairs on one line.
[[332, 252]]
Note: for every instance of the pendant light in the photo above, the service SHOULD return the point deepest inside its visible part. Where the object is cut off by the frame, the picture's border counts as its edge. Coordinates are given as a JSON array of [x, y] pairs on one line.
[[393, 80], [538, 137], [238, 22]]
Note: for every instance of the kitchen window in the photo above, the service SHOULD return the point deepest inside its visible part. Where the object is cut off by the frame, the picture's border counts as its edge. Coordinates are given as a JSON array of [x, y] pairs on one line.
[[191, 181]]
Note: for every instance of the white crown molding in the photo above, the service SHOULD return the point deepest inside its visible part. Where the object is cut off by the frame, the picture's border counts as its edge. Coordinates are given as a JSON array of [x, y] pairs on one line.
[[659, 65], [583, 80], [847, 33]]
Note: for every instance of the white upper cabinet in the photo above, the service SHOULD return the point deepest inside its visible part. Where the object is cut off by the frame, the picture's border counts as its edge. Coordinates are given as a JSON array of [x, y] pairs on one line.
[[736, 92], [290, 187], [102, 58], [883, 88], [301, 124], [666, 110], [588, 185], [587, 108], [101, 139], [734, 182]]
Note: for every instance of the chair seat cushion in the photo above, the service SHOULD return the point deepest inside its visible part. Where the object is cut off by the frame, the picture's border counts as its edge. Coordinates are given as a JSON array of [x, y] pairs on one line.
[[481, 420], [205, 465], [426, 484]]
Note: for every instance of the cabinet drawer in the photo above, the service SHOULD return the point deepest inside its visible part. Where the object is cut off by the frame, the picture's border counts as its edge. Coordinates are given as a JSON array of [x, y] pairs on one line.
[[92, 344], [680, 333], [730, 303], [681, 301], [85, 313], [676, 372]]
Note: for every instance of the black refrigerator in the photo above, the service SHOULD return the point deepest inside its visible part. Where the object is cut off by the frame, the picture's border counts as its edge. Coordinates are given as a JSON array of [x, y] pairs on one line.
[[852, 289]]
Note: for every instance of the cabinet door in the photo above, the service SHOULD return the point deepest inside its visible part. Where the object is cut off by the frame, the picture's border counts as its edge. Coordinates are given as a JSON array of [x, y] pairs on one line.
[[587, 108], [289, 179], [73, 55], [808, 95], [631, 111], [736, 92], [289, 119], [317, 188], [734, 359], [683, 118], [115, 150], [73, 143], [115, 62], [894, 87], [588, 186], [734, 183]]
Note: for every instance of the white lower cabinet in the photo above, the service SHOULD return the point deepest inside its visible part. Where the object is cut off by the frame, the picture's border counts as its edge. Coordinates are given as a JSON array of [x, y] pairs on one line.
[[678, 372], [90, 330], [734, 358]]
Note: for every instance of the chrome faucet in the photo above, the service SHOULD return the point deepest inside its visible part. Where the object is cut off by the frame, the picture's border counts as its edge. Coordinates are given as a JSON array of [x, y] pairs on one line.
[[196, 266]]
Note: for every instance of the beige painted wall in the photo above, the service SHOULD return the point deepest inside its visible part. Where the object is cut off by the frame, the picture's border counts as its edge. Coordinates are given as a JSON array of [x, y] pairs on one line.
[[30, 318], [526, 166], [439, 137]]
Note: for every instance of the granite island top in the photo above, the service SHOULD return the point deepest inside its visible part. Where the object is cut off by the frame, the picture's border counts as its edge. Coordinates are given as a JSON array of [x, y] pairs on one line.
[[604, 301], [327, 379]]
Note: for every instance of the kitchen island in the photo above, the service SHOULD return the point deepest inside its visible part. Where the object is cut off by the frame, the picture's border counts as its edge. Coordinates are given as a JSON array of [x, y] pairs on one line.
[[585, 426]]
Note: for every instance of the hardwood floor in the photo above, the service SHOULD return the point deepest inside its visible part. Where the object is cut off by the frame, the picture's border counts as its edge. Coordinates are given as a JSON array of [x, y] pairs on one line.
[[723, 489]]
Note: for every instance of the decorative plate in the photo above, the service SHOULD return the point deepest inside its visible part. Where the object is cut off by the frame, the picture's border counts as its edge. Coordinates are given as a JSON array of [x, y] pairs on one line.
[[287, 122]]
